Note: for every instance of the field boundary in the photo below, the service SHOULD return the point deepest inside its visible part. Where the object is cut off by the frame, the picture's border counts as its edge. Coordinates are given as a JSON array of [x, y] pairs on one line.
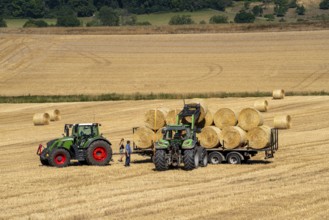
[[144, 96], [172, 29]]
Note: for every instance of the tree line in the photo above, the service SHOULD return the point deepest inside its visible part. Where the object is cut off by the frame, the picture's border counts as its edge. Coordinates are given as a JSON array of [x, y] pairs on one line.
[[87, 8]]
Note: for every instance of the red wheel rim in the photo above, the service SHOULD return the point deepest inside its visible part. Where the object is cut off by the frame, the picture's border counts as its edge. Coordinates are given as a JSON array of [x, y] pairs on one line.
[[60, 158], [99, 153]]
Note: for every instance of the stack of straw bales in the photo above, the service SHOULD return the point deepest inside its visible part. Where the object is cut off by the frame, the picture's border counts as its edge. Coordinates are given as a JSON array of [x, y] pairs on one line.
[[225, 127], [45, 118]]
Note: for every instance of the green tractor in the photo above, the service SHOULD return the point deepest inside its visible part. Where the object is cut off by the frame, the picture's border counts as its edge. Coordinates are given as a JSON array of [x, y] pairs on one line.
[[180, 144], [81, 142]]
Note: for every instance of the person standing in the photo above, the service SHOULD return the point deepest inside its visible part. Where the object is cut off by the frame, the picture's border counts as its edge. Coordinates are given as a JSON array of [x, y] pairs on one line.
[[121, 150], [128, 154]]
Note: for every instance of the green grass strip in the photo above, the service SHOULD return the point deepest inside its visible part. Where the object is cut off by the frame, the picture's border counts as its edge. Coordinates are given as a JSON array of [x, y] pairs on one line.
[[143, 96]]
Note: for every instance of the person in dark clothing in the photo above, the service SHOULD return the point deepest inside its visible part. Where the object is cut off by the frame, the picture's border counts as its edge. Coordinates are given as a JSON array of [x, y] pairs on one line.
[[128, 154], [122, 150]]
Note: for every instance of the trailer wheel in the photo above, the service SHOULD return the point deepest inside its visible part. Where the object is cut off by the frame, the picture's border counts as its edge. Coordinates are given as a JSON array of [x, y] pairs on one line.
[[191, 159], [99, 153], [160, 161], [59, 158], [45, 161], [234, 158], [215, 158], [204, 158]]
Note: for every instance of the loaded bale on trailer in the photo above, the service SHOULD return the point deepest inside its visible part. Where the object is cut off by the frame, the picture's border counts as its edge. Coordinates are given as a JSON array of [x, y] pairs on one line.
[[209, 137], [143, 137], [172, 116], [207, 121], [250, 118], [225, 117], [259, 137], [233, 137], [156, 118]]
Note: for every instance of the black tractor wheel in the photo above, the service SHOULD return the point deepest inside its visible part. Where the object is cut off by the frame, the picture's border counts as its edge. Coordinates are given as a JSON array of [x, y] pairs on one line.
[[215, 158], [99, 153], [191, 159], [59, 158], [204, 158], [234, 158], [160, 161], [44, 161]]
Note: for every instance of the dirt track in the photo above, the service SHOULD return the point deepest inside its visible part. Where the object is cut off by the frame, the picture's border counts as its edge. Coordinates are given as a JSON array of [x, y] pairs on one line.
[[230, 62], [293, 185]]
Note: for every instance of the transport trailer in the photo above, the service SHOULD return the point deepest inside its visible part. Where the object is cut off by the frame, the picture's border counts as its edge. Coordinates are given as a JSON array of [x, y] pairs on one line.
[[240, 155]]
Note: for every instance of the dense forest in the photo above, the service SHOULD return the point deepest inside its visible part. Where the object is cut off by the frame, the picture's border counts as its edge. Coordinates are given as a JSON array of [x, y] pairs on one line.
[[86, 8]]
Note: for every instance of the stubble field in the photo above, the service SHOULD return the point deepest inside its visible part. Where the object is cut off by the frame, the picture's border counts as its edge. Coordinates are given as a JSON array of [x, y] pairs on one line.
[[293, 185]]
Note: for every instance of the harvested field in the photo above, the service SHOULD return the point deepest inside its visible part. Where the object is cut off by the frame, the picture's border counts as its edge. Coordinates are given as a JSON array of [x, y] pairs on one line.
[[293, 185], [228, 62]]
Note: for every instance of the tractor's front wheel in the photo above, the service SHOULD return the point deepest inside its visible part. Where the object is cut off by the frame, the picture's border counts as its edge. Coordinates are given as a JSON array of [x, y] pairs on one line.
[[191, 159], [59, 158], [160, 160], [99, 153]]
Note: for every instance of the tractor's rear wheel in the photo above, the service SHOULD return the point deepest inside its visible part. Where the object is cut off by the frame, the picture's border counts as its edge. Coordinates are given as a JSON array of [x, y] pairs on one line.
[[44, 161], [160, 160], [204, 158], [99, 153], [59, 158], [191, 159]]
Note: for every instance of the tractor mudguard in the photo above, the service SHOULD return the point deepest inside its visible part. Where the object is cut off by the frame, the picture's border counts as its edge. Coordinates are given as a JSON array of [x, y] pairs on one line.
[[188, 144], [100, 138], [161, 144]]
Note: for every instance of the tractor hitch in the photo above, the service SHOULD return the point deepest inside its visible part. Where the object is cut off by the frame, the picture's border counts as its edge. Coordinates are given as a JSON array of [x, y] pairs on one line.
[[40, 148]]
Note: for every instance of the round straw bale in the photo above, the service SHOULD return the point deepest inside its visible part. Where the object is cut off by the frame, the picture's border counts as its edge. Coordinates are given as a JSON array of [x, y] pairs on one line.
[[207, 121], [143, 137], [41, 119], [55, 115], [171, 116], [158, 135], [250, 118], [156, 118], [259, 137], [225, 117], [203, 110], [232, 137], [278, 94], [282, 121], [261, 105], [209, 137]]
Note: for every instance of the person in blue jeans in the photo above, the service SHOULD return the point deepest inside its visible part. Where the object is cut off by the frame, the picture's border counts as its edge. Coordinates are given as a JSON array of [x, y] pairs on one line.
[[128, 154]]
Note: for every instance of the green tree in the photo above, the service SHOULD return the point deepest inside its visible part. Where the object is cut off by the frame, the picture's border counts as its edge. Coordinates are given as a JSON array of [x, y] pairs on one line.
[[244, 17], [67, 18], [2, 23], [292, 4], [218, 19], [28, 8], [300, 10], [281, 7], [84, 8], [181, 20], [324, 4], [108, 16], [35, 23], [257, 10]]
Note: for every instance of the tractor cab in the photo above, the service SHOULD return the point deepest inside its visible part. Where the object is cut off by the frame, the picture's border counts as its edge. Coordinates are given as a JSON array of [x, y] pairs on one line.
[[82, 130], [177, 132]]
